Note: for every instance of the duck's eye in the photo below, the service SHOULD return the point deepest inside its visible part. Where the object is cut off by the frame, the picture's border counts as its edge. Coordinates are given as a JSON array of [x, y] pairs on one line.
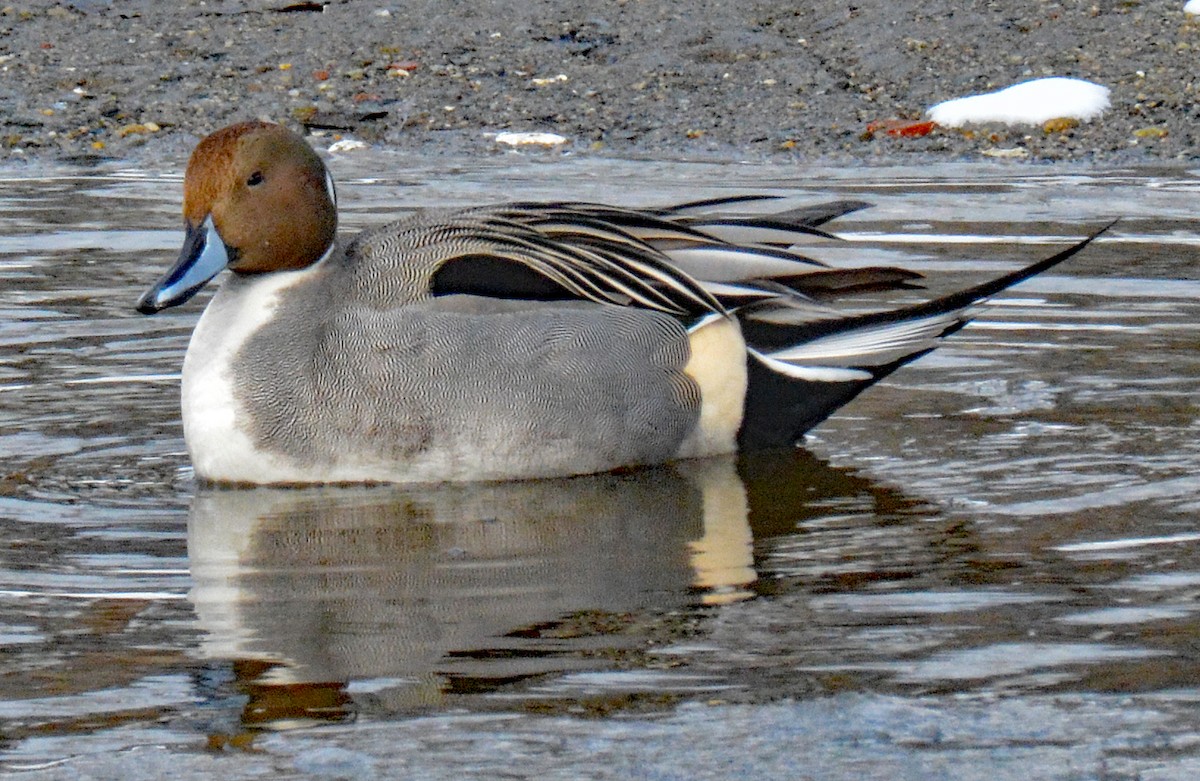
[[255, 179]]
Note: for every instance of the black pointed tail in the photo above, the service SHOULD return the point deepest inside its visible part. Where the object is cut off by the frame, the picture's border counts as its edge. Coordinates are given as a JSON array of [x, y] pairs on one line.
[[787, 393]]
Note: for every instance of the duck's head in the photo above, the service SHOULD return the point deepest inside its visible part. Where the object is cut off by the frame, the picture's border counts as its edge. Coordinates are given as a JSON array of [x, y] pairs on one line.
[[256, 199]]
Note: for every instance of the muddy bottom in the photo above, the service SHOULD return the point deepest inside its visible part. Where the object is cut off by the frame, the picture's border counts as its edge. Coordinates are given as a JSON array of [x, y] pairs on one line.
[[986, 566]]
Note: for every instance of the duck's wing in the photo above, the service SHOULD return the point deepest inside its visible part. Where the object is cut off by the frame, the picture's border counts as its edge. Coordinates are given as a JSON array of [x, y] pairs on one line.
[[572, 251], [675, 260], [526, 252]]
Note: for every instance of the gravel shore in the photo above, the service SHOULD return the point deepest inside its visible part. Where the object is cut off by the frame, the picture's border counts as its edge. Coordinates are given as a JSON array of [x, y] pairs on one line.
[[96, 79]]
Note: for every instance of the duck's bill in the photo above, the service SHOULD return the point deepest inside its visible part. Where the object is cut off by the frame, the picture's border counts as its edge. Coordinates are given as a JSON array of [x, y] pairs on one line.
[[203, 257]]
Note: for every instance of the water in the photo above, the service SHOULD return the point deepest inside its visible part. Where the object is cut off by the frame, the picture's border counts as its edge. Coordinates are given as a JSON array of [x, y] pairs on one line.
[[986, 566]]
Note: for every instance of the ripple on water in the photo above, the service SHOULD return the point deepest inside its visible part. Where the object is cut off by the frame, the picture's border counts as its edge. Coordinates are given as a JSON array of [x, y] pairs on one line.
[[1009, 519]]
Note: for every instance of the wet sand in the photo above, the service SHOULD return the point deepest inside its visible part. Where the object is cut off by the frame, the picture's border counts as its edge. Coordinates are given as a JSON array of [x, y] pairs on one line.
[[91, 80]]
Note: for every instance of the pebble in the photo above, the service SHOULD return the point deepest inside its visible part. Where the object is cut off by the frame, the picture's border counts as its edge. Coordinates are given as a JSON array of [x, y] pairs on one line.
[[346, 145]]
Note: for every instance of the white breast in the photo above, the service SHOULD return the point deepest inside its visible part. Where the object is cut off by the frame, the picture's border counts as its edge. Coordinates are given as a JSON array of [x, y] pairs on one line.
[[213, 420]]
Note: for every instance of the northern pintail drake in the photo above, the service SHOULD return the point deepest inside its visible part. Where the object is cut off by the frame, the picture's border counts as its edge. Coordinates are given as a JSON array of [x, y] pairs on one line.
[[513, 341]]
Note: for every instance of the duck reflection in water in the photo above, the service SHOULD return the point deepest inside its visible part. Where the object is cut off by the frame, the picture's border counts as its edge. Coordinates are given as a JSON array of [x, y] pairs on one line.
[[413, 594]]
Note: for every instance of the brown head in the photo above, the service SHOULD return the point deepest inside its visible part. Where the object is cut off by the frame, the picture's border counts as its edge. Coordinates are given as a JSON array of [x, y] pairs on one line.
[[256, 199], [269, 195]]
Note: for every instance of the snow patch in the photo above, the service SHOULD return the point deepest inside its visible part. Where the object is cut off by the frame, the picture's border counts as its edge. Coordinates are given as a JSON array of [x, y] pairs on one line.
[[346, 145], [1030, 102], [530, 139]]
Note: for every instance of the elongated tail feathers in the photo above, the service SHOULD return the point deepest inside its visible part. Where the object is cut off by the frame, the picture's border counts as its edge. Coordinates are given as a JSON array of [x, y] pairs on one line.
[[804, 367]]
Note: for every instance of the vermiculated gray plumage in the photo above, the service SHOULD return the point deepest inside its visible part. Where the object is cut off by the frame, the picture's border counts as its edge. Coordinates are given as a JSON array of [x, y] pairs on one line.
[[536, 387]]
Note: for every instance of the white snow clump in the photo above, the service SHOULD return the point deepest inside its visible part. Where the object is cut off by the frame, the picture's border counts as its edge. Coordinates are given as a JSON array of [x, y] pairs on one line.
[[1028, 103]]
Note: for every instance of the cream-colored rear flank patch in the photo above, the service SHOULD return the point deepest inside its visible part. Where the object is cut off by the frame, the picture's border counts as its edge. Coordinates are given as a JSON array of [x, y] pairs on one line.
[[718, 366]]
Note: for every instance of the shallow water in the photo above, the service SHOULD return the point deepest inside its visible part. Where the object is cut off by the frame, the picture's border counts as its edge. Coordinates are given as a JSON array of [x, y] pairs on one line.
[[991, 561]]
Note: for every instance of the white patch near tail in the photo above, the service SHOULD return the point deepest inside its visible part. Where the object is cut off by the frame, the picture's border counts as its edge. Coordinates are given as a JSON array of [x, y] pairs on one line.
[[812, 373], [718, 365], [874, 345]]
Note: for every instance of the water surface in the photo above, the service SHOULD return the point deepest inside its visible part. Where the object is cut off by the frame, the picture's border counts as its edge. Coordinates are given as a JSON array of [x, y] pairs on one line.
[[993, 558]]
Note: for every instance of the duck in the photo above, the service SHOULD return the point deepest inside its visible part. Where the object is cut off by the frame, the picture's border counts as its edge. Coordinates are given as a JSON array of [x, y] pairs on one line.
[[512, 341]]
